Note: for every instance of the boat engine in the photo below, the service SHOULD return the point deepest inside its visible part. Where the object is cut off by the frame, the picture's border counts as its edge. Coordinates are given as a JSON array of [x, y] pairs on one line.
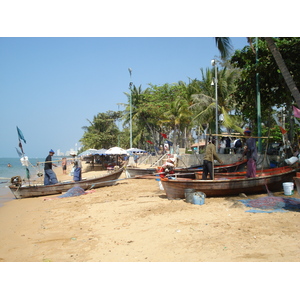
[[16, 180]]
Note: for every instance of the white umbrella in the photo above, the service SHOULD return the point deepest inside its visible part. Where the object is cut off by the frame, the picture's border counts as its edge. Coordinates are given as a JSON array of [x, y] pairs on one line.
[[135, 150], [115, 151], [87, 152], [100, 152]]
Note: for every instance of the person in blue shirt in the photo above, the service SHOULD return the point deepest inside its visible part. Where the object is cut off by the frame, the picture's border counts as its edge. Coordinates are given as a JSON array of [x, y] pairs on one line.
[[50, 176]]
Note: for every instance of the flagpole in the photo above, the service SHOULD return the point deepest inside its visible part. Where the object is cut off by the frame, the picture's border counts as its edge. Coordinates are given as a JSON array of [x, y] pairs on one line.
[[130, 100], [258, 101]]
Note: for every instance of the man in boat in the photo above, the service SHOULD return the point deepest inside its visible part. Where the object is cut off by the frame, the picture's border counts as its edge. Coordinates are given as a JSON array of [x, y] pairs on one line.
[[168, 167], [251, 154], [50, 176], [209, 156]]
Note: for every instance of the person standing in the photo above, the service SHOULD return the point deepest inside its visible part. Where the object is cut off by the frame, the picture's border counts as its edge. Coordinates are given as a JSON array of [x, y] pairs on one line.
[[50, 176], [77, 171], [238, 146], [209, 156], [64, 165], [222, 145], [228, 142], [251, 154]]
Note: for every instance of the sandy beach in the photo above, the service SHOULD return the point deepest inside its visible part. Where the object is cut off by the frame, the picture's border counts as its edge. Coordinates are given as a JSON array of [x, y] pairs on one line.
[[133, 221]]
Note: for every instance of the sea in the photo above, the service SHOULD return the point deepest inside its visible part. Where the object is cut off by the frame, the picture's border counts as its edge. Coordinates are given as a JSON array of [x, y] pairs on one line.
[[17, 169]]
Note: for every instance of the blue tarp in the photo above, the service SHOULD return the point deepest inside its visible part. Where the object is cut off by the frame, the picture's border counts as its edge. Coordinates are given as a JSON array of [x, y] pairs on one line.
[[270, 204]]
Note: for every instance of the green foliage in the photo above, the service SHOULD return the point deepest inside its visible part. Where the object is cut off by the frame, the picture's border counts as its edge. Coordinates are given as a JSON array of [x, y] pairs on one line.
[[273, 90], [102, 132]]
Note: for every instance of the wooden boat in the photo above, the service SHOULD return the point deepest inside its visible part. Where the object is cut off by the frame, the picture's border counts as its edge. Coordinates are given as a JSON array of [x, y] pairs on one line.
[[27, 191], [264, 172], [189, 172], [231, 185], [297, 182]]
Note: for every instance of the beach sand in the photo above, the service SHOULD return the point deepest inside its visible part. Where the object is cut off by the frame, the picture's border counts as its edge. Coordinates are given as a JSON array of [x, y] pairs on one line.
[[133, 221]]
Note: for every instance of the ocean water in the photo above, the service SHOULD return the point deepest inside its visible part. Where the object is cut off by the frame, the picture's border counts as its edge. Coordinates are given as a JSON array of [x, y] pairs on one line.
[[16, 169]]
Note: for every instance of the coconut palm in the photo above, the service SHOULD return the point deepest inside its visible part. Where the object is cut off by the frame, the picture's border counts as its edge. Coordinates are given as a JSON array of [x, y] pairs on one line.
[[283, 69], [204, 104], [224, 46]]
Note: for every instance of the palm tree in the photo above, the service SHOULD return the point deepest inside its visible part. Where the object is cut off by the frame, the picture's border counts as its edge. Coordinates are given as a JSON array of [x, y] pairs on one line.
[[224, 46], [178, 117], [283, 69], [204, 104]]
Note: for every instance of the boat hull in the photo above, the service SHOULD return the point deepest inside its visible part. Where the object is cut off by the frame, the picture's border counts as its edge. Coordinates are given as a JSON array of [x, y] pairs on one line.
[[44, 190], [175, 188], [188, 172]]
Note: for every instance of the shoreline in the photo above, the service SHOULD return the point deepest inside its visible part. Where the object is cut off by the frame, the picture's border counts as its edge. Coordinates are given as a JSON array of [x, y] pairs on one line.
[[133, 221]]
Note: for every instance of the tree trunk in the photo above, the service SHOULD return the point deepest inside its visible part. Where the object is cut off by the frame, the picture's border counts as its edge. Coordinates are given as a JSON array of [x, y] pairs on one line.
[[284, 70]]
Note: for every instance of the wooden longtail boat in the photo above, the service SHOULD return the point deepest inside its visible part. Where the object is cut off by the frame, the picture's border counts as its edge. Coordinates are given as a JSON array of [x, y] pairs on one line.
[[234, 167], [264, 172], [297, 182], [27, 191], [231, 185]]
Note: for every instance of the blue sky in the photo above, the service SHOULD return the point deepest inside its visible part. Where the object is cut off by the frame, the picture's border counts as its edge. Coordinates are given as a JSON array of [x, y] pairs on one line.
[[51, 86], [63, 62]]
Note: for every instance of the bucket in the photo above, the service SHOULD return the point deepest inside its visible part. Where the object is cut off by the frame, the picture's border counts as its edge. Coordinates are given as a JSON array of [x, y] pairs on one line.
[[159, 184], [288, 188], [291, 160], [188, 193], [199, 198]]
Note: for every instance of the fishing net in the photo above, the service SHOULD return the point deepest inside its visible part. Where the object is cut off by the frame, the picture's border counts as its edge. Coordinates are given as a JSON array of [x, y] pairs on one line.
[[270, 204], [73, 192]]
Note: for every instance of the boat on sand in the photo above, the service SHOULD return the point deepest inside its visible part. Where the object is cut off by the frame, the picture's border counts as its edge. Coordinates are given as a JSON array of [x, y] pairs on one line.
[[229, 185], [26, 191], [188, 172]]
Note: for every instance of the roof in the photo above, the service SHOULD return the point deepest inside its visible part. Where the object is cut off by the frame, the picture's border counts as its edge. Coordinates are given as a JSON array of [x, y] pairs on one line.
[[201, 144]]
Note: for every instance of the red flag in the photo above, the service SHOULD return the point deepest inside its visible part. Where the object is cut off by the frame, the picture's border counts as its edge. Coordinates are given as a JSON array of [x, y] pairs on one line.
[[296, 112], [164, 135], [283, 131], [149, 142]]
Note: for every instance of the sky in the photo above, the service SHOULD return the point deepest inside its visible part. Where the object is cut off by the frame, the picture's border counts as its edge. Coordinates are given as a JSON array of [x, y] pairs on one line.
[[51, 86], [62, 64]]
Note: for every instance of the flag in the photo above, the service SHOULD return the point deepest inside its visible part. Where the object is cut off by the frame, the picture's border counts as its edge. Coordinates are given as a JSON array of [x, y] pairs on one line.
[[296, 121], [283, 131], [149, 142], [19, 153], [164, 135], [21, 147], [20, 134], [27, 173], [296, 112]]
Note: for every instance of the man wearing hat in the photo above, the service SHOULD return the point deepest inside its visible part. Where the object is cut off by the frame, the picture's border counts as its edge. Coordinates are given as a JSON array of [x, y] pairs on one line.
[[50, 177], [251, 154]]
